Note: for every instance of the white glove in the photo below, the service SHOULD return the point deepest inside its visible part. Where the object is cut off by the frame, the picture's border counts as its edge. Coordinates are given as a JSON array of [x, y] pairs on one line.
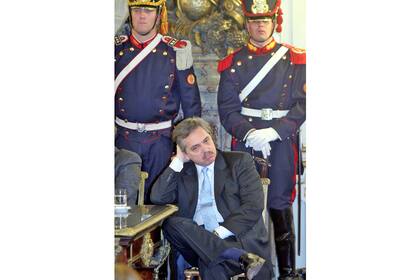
[[261, 136], [264, 148]]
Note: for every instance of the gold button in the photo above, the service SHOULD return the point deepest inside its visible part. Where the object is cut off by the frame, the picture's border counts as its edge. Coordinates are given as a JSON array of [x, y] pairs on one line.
[[272, 53], [285, 85], [161, 111], [249, 56], [120, 99], [131, 49], [246, 99], [123, 110], [284, 57], [164, 97], [121, 53], [166, 86], [239, 63], [165, 53], [171, 75], [290, 76], [154, 50], [250, 119], [232, 70]]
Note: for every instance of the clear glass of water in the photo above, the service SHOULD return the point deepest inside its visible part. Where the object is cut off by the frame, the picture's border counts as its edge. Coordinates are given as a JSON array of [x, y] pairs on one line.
[[120, 221], [120, 199]]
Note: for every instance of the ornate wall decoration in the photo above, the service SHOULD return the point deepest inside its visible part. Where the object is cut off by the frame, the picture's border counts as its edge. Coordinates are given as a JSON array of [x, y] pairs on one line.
[[216, 26]]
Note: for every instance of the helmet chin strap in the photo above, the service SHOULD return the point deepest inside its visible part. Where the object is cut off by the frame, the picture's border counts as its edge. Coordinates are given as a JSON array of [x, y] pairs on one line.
[[274, 27]]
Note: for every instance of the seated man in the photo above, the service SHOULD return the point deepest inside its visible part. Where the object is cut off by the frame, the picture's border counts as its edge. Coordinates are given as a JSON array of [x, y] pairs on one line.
[[219, 226], [127, 173]]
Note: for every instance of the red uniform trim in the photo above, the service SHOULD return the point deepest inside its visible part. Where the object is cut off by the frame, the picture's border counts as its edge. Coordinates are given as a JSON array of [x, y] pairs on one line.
[[233, 143], [226, 62], [297, 56], [139, 45], [266, 49], [174, 42]]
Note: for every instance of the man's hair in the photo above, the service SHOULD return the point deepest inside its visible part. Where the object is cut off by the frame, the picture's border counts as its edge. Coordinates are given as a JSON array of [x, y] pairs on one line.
[[185, 127]]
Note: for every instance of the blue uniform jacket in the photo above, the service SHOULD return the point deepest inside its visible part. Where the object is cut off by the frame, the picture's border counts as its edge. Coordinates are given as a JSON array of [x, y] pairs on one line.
[[283, 88], [153, 91]]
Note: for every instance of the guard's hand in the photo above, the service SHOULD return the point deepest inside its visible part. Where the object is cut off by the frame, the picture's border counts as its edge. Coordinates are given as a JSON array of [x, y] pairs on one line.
[[181, 155], [262, 136], [265, 149]]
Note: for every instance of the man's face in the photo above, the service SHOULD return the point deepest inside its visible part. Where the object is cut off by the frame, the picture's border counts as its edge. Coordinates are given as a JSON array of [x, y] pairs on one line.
[[200, 147], [260, 29], [143, 19]]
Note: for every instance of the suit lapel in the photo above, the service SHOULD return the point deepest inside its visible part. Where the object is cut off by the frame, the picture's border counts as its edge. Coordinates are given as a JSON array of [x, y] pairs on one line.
[[220, 175], [191, 185]]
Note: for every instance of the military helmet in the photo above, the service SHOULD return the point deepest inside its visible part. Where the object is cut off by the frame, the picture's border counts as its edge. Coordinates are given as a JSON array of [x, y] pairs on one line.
[[160, 5], [150, 3], [255, 9]]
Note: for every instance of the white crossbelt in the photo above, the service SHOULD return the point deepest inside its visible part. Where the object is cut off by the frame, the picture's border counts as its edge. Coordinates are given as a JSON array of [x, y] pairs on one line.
[[141, 127], [265, 113], [263, 72], [133, 63]]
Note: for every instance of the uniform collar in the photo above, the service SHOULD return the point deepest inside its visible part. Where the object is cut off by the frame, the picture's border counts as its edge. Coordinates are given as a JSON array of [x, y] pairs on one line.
[[139, 45], [267, 48]]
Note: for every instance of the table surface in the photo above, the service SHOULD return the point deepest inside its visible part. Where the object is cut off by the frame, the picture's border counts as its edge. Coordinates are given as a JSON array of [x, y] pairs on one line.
[[141, 218]]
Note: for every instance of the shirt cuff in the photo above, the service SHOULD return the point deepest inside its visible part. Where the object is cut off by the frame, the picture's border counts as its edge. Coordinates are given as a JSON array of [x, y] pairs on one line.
[[223, 232], [176, 164]]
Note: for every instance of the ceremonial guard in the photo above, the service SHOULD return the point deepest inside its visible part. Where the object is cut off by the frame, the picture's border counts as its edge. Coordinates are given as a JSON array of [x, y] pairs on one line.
[[261, 101], [153, 78]]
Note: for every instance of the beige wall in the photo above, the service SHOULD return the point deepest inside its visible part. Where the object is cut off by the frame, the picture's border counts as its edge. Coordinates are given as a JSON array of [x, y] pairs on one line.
[[294, 22]]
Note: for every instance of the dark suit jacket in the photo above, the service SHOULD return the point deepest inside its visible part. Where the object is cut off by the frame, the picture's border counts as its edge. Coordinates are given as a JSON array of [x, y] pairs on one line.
[[127, 173], [238, 193]]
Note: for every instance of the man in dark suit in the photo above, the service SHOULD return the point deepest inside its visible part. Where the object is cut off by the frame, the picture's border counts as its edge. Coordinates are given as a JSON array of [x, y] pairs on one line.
[[219, 226], [127, 173]]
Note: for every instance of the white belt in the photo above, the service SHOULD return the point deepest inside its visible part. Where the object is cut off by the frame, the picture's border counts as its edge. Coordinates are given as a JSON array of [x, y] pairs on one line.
[[141, 127], [265, 114]]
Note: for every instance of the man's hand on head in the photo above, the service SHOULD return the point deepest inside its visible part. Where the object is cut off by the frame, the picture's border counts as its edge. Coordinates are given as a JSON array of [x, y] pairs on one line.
[[181, 155]]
